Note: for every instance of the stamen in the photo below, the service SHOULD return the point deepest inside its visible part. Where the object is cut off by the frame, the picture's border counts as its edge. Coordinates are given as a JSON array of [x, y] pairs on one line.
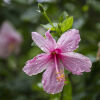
[[60, 74], [56, 64]]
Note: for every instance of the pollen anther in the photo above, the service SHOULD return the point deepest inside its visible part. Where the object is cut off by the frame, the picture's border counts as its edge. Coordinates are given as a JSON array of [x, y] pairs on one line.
[[60, 76]]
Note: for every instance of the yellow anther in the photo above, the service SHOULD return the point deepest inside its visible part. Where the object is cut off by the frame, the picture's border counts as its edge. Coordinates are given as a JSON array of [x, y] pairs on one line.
[[61, 77]]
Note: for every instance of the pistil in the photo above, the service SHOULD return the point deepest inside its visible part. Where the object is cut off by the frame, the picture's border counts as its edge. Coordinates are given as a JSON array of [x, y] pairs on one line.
[[59, 73]]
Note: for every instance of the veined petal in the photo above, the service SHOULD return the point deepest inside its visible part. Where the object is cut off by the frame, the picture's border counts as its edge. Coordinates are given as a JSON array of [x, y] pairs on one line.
[[76, 63], [69, 40], [40, 41], [47, 44], [50, 83], [36, 65], [49, 39]]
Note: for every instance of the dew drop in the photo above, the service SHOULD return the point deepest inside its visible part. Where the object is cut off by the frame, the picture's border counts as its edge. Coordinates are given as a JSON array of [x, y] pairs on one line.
[[42, 48], [35, 63], [37, 68], [43, 82]]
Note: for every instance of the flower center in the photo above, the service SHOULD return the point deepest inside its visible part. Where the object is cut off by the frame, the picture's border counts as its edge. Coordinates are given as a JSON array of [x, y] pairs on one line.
[[11, 47], [56, 51]]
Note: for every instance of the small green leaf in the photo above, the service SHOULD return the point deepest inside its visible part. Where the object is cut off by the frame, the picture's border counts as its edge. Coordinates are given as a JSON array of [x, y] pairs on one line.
[[63, 16], [67, 24], [48, 26]]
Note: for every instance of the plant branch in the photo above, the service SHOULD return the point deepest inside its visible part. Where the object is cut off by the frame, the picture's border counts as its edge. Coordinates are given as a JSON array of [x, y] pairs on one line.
[[61, 97]]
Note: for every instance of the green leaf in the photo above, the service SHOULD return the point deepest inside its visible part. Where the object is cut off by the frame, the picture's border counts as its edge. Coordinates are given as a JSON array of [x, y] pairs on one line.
[[48, 26], [67, 24], [63, 16]]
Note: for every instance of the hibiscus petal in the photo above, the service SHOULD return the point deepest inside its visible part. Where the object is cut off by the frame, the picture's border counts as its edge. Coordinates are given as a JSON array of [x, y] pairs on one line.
[[47, 44], [49, 39], [4, 52], [49, 80], [7, 28], [40, 41], [8, 31], [76, 63], [69, 40], [36, 65]]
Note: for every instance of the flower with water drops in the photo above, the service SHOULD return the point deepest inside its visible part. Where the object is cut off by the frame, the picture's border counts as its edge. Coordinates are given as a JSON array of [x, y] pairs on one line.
[[10, 40], [58, 55]]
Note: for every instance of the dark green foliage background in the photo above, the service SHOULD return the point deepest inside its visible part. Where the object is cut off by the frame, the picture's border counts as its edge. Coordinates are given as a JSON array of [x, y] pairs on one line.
[[15, 84]]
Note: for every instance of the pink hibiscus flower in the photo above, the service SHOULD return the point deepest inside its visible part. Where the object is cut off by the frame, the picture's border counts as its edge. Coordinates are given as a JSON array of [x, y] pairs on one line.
[[10, 40], [57, 56]]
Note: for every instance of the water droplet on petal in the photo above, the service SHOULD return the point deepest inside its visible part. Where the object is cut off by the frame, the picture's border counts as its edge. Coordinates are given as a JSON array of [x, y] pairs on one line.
[[42, 48], [43, 81], [37, 68], [35, 63]]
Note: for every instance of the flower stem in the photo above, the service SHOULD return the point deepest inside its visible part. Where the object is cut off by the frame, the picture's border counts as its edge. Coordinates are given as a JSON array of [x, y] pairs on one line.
[[45, 15], [43, 11], [61, 97]]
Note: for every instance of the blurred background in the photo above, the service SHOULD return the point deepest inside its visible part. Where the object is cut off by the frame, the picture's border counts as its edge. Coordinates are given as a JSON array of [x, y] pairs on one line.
[[21, 17]]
